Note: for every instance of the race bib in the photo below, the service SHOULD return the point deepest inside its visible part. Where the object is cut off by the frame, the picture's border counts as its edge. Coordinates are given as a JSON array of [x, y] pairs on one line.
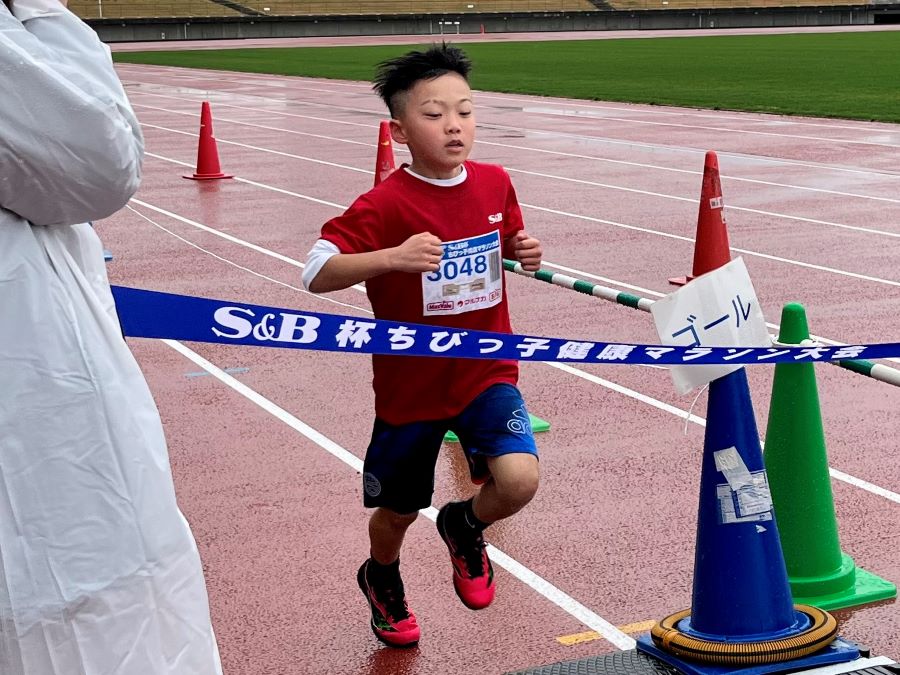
[[470, 276]]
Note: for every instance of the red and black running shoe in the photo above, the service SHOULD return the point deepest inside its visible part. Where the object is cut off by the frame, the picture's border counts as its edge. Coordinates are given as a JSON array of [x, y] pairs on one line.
[[473, 574], [392, 622]]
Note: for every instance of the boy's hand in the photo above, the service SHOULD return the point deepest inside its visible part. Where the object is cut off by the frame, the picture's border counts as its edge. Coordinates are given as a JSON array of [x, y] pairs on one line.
[[528, 251], [420, 253]]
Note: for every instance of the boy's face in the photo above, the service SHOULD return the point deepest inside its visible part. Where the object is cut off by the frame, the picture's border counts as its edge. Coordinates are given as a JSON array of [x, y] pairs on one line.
[[438, 125]]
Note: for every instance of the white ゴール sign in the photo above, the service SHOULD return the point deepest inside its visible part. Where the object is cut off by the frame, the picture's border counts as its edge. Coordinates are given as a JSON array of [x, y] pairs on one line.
[[718, 309]]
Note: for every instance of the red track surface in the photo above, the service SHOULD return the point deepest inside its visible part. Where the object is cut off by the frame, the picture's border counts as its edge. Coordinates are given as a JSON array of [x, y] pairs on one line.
[[279, 519]]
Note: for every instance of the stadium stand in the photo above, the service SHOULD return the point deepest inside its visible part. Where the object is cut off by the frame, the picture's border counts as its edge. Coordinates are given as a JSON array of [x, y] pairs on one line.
[[293, 7], [137, 9], [92, 9], [719, 4]]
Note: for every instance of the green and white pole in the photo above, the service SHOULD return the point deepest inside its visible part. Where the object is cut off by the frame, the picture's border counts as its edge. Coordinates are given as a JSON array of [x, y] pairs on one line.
[[586, 287], [876, 371], [871, 369]]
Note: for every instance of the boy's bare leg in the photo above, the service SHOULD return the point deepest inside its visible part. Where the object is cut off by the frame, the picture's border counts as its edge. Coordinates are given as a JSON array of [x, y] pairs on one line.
[[513, 482], [379, 579], [386, 531]]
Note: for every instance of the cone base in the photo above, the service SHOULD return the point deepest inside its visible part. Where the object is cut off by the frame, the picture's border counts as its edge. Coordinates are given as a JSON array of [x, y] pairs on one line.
[[839, 651], [680, 281], [207, 176], [800, 625], [867, 587], [814, 585], [537, 425]]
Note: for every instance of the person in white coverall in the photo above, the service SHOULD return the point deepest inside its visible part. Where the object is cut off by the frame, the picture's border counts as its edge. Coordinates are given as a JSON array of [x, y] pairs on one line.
[[99, 572]]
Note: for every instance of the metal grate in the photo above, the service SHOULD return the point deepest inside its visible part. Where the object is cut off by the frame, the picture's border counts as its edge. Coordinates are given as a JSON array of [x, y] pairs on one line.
[[631, 662]]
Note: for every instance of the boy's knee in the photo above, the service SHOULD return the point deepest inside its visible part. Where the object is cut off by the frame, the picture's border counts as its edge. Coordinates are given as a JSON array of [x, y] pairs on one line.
[[526, 486], [519, 482]]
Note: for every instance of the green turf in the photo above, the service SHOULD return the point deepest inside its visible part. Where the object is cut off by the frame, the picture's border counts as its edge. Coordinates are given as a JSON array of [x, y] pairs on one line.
[[851, 75]]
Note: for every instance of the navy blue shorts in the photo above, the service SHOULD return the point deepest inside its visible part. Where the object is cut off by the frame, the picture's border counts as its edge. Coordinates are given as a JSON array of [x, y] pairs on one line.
[[398, 473]]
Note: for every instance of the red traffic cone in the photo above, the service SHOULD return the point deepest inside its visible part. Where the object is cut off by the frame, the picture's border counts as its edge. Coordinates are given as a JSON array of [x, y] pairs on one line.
[[384, 160], [711, 249], [207, 152]]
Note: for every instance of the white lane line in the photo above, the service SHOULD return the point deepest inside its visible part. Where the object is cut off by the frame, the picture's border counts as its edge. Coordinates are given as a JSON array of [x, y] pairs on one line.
[[660, 405], [566, 214], [280, 130], [728, 207], [630, 393], [534, 581], [750, 132], [266, 150], [673, 111], [745, 251], [262, 79], [736, 116], [655, 147], [690, 417], [561, 134], [297, 289], [508, 167], [232, 238], [264, 186], [821, 139], [646, 291]]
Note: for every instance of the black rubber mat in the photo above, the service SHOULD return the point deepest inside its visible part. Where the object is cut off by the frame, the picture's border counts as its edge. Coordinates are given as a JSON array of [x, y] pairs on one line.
[[633, 662]]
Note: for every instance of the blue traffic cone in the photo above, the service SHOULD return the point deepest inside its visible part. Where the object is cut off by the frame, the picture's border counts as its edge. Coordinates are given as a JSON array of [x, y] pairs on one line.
[[740, 579], [742, 612]]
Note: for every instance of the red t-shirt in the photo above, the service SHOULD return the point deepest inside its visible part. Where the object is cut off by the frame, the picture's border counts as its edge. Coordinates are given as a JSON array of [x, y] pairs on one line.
[[409, 389]]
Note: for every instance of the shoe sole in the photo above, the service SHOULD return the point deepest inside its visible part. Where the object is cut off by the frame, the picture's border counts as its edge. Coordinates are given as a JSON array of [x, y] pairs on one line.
[[362, 586], [384, 641]]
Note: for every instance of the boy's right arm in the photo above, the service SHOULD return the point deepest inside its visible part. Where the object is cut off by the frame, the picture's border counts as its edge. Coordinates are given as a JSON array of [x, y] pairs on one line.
[[420, 253]]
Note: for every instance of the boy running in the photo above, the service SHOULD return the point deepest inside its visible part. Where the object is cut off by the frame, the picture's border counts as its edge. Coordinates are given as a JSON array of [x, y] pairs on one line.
[[428, 242]]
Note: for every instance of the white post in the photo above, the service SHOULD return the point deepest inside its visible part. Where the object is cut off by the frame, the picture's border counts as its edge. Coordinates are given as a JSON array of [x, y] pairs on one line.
[[100, 8]]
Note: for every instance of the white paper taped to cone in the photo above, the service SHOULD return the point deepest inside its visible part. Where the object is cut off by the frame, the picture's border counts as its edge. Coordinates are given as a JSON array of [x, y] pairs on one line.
[[718, 309]]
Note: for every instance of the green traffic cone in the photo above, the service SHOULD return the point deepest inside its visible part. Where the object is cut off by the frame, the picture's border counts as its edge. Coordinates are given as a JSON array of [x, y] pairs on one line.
[[820, 574]]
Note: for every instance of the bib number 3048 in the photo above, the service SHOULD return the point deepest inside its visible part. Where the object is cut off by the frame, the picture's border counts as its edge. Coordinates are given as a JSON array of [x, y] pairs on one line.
[[469, 276], [452, 269]]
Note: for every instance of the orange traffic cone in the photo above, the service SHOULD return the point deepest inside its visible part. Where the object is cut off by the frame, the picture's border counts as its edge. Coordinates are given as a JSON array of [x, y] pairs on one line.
[[207, 152], [711, 249], [384, 160]]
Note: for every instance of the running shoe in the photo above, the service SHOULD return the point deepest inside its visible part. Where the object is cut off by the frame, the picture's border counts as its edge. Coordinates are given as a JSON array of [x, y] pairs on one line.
[[392, 622], [473, 574]]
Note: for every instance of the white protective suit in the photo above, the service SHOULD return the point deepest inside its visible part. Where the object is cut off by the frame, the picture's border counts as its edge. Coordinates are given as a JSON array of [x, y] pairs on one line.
[[99, 572]]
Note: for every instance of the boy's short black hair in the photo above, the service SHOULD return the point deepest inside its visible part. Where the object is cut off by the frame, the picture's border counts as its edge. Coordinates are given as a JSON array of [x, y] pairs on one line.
[[398, 75]]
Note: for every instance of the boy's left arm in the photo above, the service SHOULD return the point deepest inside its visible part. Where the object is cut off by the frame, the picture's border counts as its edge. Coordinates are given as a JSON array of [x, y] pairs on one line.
[[525, 249]]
